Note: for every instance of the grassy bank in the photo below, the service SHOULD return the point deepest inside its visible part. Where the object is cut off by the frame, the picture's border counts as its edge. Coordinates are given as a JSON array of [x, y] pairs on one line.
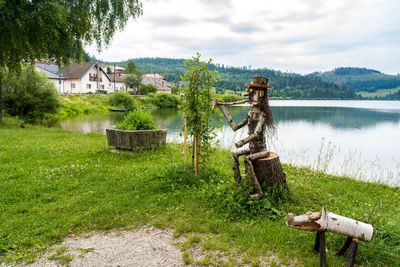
[[76, 105], [55, 183]]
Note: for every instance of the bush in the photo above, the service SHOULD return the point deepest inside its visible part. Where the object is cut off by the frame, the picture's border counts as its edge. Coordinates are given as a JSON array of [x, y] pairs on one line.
[[100, 91], [138, 119], [121, 99], [164, 100], [29, 94], [145, 89], [229, 98]]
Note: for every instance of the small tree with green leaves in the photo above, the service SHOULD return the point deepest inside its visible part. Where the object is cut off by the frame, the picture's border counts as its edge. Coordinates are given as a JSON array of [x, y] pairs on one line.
[[133, 80], [131, 67], [196, 104]]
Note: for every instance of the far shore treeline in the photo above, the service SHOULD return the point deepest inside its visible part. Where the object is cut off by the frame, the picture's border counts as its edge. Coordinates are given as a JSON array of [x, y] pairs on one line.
[[341, 83]]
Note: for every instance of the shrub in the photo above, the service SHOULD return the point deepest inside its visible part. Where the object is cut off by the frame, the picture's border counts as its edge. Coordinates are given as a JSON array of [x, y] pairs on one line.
[[138, 119], [164, 100], [121, 99], [29, 94], [229, 98], [145, 89], [100, 91]]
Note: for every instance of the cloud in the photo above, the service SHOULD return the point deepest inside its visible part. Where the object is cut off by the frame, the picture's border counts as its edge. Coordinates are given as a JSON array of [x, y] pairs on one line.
[[244, 28], [168, 21], [291, 35]]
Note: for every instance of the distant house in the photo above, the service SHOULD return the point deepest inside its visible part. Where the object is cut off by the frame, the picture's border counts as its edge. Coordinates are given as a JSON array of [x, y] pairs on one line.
[[51, 74], [163, 86], [83, 78], [119, 78]]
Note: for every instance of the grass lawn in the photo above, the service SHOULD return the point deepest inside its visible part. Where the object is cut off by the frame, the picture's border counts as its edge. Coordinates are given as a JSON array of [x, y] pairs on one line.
[[55, 183]]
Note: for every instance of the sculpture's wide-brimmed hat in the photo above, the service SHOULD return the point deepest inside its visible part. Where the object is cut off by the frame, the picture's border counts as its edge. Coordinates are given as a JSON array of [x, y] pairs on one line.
[[260, 82]]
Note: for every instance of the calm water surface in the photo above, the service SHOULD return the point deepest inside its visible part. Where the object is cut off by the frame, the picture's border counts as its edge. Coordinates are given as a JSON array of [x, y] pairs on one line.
[[360, 139]]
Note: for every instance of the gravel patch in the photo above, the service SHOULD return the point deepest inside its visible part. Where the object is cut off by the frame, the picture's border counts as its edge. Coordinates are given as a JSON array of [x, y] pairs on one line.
[[147, 246]]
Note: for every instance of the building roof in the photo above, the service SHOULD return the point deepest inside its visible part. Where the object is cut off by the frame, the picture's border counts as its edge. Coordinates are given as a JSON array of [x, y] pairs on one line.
[[154, 76], [48, 67], [75, 70], [78, 70], [49, 74], [118, 78]]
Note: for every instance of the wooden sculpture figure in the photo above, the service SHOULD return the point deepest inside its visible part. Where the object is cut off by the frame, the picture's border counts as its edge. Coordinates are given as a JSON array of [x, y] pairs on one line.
[[261, 165]]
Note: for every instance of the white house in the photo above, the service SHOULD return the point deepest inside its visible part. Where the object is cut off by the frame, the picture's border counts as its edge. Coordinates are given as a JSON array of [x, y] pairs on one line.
[[54, 77], [82, 78]]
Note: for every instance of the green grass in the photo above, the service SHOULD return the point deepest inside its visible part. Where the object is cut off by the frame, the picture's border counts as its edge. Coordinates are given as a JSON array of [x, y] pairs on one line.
[[55, 183], [75, 105], [379, 92]]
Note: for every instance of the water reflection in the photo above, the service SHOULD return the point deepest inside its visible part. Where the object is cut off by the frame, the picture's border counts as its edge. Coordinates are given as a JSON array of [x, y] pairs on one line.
[[361, 142]]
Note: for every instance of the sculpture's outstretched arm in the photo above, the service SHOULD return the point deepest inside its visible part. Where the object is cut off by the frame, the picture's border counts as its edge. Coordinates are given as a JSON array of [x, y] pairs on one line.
[[228, 117], [258, 131]]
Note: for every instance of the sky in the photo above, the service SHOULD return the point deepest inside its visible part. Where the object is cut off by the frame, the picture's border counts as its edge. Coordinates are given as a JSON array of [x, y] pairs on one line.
[[300, 36]]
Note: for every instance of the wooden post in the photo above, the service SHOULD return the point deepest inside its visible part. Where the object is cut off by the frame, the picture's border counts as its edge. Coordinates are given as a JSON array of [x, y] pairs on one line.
[[322, 249], [316, 246], [198, 154], [195, 154], [344, 247], [184, 144], [352, 253]]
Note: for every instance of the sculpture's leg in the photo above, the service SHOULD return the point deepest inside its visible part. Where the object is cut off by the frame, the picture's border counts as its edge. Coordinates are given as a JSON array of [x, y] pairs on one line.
[[253, 179], [344, 247], [322, 249], [316, 246], [259, 155], [352, 253], [235, 164]]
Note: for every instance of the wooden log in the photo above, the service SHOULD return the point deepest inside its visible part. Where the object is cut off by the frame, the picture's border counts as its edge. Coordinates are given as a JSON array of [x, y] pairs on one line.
[[327, 221], [268, 171]]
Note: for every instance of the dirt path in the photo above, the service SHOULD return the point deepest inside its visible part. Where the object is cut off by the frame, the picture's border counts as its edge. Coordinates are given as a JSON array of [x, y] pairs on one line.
[[147, 246]]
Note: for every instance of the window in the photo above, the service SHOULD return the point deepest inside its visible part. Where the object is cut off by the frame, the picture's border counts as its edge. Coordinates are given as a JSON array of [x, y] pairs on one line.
[[102, 87], [88, 86], [72, 85]]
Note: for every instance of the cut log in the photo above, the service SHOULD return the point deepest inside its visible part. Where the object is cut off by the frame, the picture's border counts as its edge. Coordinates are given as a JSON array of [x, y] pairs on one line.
[[327, 221], [268, 171]]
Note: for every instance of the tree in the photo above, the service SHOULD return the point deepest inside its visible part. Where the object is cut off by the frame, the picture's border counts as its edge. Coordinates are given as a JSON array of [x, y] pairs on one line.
[[108, 70], [147, 88], [132, 80], [58, 29], [131, 67], [29, 94], [196, 104]]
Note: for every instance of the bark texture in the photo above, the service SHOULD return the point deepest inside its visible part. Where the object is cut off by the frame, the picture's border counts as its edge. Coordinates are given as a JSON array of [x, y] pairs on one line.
[[268, 170], [136, 140]]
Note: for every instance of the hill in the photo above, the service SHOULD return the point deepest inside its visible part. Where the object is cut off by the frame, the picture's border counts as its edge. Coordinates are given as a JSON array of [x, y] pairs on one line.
[[360, 79], [286, 85]]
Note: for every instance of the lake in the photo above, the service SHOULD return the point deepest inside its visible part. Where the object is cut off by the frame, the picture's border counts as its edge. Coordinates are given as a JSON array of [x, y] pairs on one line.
[[360, 139]]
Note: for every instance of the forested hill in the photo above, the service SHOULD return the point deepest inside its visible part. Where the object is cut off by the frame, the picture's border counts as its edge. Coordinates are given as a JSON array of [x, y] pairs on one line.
[[286, 85], [360, 79]]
